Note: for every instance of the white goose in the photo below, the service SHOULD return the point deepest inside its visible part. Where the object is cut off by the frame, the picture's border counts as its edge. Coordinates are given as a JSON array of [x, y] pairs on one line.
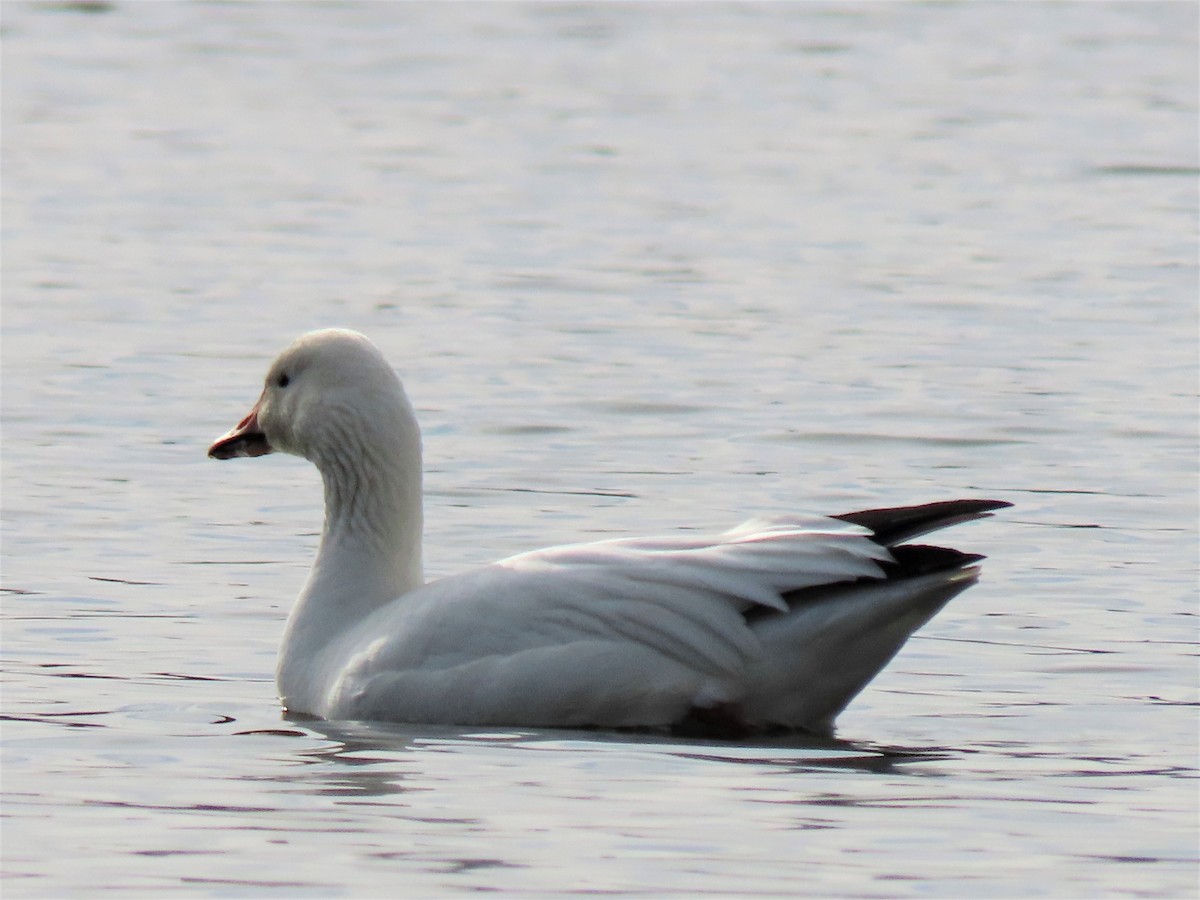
[[777, 623]]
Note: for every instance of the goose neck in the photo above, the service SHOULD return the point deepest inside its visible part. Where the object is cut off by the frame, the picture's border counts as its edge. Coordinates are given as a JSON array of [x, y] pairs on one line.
[[373, 517]]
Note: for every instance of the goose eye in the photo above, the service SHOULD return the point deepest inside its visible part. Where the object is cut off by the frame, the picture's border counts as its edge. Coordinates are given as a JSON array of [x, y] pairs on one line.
[[283, 380]]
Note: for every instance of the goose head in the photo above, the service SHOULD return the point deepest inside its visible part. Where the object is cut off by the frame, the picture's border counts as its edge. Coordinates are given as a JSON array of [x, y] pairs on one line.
[[329, 395], [332, 398]]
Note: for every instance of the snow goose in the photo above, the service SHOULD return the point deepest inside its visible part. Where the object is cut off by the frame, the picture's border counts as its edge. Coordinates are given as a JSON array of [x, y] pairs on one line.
[[777, 623]]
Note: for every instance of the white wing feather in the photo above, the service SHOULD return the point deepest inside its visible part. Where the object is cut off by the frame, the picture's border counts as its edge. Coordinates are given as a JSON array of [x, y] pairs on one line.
[[661, 619]]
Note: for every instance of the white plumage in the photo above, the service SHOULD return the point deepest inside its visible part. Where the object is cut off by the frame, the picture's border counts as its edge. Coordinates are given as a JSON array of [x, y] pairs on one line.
[[776, 623]]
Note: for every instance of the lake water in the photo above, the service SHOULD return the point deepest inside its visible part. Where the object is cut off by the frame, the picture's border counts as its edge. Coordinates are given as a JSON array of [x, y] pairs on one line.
[[642, 268]]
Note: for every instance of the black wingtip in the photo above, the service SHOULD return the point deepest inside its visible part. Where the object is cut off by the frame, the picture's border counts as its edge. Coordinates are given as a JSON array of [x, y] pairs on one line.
[[892, 525], [914, 560]]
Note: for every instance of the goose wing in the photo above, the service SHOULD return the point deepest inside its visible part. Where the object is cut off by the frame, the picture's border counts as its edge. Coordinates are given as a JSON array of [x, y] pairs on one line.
[[621, 632]]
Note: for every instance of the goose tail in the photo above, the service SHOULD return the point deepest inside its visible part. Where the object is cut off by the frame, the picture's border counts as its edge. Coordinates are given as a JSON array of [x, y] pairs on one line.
[[835, 638]]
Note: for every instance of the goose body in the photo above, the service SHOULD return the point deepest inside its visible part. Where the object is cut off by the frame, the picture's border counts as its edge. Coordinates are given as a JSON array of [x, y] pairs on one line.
[[777, 623]]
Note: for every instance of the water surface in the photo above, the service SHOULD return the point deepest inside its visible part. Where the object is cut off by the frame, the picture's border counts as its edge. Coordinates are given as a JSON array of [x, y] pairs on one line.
[[642, 268]]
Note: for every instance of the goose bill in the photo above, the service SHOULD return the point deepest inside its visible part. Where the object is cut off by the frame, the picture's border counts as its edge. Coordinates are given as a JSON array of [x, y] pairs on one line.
[[244, 439]]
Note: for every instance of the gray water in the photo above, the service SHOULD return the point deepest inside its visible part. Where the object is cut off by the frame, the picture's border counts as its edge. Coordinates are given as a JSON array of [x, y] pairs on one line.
[[642, 268]]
